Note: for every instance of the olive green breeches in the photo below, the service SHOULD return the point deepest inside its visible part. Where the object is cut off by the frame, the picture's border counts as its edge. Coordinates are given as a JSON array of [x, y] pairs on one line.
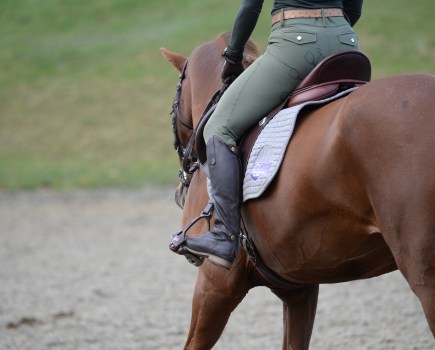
[[295, 47]]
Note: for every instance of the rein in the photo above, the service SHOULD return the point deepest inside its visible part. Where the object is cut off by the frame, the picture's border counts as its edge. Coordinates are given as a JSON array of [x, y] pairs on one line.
[[188, 158]]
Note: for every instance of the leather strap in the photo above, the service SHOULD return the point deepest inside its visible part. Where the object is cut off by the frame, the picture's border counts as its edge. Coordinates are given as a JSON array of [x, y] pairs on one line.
[[317, 13]]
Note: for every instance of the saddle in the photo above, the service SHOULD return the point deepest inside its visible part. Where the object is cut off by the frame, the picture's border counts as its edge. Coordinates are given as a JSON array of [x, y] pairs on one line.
[[335, 73]]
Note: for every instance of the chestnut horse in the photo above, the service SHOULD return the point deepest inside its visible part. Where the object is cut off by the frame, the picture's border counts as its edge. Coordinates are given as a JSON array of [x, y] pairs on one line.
[[354, 199]]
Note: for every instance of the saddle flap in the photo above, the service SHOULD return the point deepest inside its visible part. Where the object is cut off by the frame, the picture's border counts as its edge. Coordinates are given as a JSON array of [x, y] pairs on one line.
[[317, 92]]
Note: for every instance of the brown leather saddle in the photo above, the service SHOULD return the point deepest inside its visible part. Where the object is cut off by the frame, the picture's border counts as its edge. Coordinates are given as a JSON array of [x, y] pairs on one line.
[[335, 73]]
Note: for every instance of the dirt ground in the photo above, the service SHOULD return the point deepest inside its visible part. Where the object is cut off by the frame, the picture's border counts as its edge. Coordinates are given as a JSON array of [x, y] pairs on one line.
[[91, 270]]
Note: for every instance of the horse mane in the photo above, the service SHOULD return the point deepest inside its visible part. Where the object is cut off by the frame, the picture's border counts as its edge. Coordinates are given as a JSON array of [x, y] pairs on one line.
[[250, 54]]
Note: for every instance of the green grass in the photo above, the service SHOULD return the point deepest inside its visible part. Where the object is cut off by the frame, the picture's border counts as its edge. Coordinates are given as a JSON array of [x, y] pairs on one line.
[[85, 95]]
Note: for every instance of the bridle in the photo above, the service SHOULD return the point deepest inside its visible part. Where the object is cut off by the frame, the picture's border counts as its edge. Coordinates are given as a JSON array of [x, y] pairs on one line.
[[189, 160]]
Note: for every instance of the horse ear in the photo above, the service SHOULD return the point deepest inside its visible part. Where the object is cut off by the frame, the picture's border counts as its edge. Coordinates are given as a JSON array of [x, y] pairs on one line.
[[175, 59]]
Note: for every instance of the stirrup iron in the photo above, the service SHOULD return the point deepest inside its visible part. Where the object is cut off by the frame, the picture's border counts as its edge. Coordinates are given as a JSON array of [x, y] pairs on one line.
[[178, 241]]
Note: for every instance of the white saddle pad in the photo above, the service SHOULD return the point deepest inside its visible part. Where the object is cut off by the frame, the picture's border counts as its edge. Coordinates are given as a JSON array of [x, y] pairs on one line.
[[269, 148]]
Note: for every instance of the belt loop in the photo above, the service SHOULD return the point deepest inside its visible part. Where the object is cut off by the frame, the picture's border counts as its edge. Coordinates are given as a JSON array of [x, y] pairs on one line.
[[323, 17], [282, 18]]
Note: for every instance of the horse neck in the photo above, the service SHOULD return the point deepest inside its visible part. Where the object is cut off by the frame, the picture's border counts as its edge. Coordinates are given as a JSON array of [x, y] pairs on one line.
[[205, 65]]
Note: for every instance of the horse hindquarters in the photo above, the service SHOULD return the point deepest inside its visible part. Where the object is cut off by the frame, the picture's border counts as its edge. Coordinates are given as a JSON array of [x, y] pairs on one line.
[[389, 130]]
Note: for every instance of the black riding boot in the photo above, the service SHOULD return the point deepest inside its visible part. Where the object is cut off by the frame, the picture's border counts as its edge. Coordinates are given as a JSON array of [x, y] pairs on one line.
[[221, 243]]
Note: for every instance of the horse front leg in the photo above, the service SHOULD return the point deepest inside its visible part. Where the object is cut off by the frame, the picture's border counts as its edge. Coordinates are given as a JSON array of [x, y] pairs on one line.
[[299, 307], [217, 293]]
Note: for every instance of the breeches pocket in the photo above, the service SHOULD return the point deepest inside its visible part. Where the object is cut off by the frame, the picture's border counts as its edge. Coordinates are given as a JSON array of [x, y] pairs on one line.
[[349, 39], [300, 37]]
